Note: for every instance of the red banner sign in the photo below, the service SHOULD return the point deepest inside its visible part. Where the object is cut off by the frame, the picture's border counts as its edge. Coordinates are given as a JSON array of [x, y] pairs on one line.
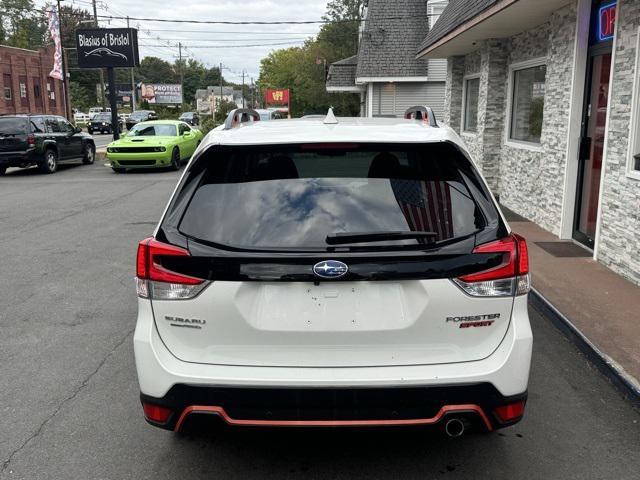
[[277, 97]]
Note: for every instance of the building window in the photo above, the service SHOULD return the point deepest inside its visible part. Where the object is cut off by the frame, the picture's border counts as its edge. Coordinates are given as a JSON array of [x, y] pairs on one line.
[[7, 94], [471, 93], [527, 102], [23, 90], [633, 161]]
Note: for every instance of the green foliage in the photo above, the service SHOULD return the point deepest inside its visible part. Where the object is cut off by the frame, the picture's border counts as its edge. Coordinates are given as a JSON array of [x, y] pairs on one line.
[[223, 111], [207, 124], [22, 25], [536, 117], [302, 69], [81, 97]]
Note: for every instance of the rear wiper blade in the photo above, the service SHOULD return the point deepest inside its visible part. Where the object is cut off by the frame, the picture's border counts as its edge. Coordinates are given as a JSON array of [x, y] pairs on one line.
[[366, 237]]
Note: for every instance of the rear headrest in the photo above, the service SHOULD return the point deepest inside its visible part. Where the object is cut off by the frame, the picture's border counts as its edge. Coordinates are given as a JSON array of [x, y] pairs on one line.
[[274, 168]]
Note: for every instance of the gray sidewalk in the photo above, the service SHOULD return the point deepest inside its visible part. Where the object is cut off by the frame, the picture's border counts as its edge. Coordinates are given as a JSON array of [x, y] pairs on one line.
[[597, 307]]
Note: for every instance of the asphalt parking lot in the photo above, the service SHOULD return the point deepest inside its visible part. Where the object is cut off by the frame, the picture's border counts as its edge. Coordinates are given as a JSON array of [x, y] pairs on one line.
[[68, 391]]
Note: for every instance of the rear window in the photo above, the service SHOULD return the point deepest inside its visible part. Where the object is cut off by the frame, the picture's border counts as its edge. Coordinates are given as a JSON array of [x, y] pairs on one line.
[[293, 197], [14, 126]]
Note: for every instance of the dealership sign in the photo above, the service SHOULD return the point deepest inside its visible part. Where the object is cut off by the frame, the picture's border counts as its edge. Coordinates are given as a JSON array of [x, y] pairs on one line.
[[156, 93], [107, 47]]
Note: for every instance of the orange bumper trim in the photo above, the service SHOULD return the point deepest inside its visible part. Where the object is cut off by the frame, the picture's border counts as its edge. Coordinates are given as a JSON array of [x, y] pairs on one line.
[[220, 412]]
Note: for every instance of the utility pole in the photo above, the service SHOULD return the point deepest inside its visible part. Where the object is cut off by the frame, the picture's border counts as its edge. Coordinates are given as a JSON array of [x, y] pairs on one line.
[[220, 84], [133, 82], [243, 103], [253, 103], [181, 70], [65, 82], [95, 17]]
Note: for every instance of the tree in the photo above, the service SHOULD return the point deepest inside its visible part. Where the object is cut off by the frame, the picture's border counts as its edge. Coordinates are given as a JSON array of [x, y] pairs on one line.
[[22, 25], [156, 70], [301, 69], [224, 108]]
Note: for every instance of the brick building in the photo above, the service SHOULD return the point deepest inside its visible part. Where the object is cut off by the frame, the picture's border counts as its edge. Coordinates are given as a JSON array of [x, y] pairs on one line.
[[546, 96], [25, 85]]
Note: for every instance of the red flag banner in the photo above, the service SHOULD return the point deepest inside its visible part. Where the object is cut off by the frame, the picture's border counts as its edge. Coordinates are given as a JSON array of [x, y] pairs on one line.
[[277, 97]]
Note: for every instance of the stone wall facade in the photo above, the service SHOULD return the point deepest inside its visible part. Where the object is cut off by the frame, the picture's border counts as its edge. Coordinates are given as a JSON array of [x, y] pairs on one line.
[[619, 241], [528, 179]]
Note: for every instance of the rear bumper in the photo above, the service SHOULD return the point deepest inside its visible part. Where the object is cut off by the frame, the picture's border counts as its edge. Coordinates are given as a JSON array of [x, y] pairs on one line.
[[15, 159], [336, 407], [496, 380]]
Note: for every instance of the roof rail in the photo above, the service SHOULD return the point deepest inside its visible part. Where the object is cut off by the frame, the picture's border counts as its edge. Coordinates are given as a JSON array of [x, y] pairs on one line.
[[422, 113], [239, 116]]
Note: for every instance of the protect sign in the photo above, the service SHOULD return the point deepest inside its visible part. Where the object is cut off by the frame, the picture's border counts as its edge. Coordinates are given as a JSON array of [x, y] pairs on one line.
[[107, 47]]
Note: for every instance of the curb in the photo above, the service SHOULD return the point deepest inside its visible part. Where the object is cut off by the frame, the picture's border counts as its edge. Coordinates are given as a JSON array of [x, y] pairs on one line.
[[623, 382]]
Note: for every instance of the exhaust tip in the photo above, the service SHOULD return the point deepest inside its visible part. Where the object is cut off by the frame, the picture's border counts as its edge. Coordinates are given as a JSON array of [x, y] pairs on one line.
[[454, 427]]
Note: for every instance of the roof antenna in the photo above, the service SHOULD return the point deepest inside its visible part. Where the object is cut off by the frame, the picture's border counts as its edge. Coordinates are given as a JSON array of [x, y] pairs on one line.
[[330, 119]]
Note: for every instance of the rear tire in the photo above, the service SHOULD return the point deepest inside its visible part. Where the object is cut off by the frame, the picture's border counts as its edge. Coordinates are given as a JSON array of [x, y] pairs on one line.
[[89, 154], [50, 163], [175, 159]]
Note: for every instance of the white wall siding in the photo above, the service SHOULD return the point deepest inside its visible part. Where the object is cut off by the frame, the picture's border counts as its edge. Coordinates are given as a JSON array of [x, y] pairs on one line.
[[437, 70], [395, 98]]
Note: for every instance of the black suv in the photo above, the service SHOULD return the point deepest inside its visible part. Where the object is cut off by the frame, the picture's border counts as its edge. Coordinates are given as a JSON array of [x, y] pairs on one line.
[[42, 140], [140, 116], [191, 118], [101, 122]]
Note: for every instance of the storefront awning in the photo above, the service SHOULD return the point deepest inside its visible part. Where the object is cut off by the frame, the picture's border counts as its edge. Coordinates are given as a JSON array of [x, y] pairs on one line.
[[502, 18]]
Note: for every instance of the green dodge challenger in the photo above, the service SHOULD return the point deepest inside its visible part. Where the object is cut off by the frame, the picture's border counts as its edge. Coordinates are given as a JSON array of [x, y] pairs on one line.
[[161, 143]]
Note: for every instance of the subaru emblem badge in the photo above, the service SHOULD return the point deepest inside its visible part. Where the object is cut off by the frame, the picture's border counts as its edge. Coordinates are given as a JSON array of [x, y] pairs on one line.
[[330, 269]]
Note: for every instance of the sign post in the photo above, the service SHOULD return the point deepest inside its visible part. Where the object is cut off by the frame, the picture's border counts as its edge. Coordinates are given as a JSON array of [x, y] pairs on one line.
[[108, 48]]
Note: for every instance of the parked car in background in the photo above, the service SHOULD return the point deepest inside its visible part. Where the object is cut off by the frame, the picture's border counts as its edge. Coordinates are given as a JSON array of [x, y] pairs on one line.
[[93, 111], [140, 116], [266, 115], [102, 123], [162, 143], [192, 118], [42, 140]]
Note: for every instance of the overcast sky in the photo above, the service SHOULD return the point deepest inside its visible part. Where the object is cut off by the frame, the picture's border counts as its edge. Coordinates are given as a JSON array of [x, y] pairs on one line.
[[235, 59]]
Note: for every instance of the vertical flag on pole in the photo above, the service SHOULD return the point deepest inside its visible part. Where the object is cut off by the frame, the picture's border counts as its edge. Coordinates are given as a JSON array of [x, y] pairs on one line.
[[54, 31]]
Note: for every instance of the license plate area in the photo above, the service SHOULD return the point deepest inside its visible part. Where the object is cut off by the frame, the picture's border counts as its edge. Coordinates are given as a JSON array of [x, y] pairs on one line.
[[331, 307]]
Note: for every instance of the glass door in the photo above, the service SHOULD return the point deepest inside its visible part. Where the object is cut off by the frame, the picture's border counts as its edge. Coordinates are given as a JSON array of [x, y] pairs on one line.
[[591, 148]]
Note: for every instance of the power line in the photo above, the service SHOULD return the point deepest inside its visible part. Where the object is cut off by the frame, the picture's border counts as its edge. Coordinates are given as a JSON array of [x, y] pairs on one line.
[[291, 39], [234, 46], [234, 32]]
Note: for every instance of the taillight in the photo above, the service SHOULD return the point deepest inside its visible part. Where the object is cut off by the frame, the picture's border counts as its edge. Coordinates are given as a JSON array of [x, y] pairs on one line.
[[156, 413], [31, 139], [510, 412], [509, 278], [156, 282]]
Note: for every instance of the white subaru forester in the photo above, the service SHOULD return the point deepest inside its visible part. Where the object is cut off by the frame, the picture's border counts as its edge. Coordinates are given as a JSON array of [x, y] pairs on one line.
[[338, 272]]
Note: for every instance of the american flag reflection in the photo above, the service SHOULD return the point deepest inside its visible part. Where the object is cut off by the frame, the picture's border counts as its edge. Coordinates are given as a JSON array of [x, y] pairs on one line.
[[426, 205]]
